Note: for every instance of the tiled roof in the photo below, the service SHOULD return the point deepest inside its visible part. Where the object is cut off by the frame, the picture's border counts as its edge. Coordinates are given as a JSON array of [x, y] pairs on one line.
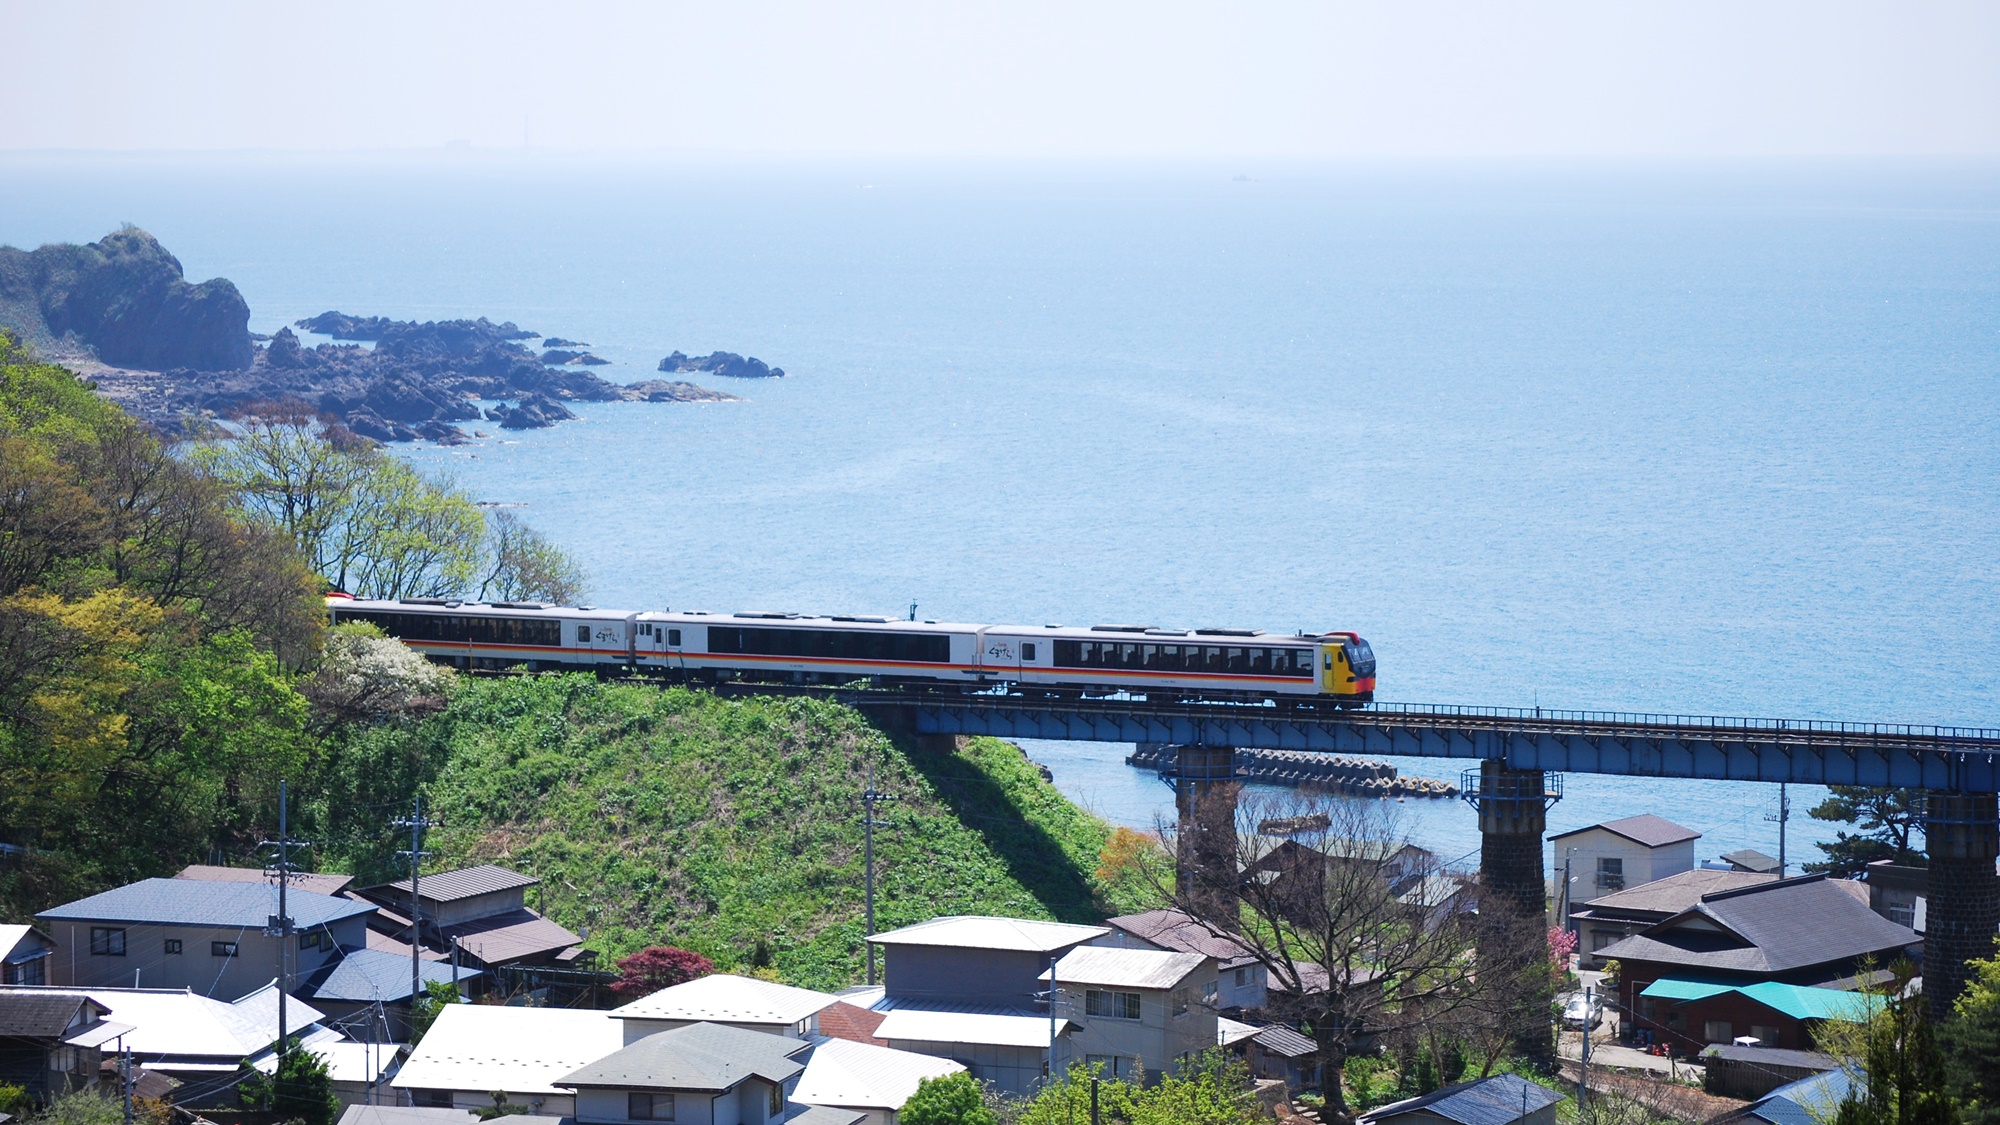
[[499, 938], [319, 884], [1750, 859], [851, 1022], [726, 998], [699, 1056], [1647, 829], [363, 975], [1124, 968], [858, 1076], [1499, 1100], [1771, 927], [980, 932], [519, 1050], [192, 902], [1178, 931], [466, 882], [1675, 893], [1283, 1040], [35, 1013]]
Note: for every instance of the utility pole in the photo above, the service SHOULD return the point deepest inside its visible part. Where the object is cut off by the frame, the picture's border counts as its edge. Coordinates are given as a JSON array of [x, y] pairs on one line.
[[1784, 815], [125, 1076], [869, 824], [1583, 1068], [279, 925], [416, 822]]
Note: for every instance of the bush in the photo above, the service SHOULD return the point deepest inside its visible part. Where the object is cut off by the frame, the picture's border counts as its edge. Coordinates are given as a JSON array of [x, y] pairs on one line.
[[662, 966], [954, 1099]]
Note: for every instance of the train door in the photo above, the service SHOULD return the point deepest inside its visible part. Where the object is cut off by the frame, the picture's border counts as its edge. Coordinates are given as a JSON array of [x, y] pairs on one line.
[[1331, 669], [996, 656]]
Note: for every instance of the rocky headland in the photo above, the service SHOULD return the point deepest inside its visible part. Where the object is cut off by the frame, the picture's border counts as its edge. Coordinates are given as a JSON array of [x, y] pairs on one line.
[[121, 312]]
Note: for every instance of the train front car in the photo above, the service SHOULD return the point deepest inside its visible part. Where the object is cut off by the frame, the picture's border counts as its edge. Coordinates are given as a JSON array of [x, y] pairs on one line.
[[1347, 668]]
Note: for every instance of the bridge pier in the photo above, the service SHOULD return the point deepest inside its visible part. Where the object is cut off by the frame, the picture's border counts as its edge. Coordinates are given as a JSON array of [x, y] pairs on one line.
[[1962, 835], [1513, 814], [1205, 792]]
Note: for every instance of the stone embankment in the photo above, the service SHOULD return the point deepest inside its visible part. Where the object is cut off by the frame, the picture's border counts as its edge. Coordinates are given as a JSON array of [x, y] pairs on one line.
[[1339, 773]]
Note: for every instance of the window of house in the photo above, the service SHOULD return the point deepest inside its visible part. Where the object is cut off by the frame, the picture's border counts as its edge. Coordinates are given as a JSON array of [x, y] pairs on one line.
[[106, 941], [27, 972], [309, 940], [1675, 1020], [173, 945], [1111, 1066], [1178, 1001], [1027, 650], [440, 1099], [222, 949], [1765, 1033], [1208, 992], [1111, 1005], [1242, 977], [777, 1100], [1611, 873], [1645, 1007], [649, 1107], [1903, 913], [1599, 939], [1718, 1031]]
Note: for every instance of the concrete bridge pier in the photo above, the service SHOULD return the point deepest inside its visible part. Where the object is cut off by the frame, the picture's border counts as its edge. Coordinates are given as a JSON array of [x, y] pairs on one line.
[[1962, 835], [1205, 793], [1513, 809]]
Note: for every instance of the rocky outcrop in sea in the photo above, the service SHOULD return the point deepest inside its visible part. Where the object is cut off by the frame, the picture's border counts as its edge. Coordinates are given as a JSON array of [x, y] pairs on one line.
[[723, 363], [125, 299]]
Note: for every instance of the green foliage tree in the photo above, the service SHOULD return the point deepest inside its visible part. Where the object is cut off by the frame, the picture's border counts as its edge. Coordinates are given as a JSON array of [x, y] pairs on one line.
[[437, 996], [1211, 1088], [300, 1089], [1972, 1042], [82, 1107], [953, 1099], [1900, 1069], [523, 565], [1888, 821]]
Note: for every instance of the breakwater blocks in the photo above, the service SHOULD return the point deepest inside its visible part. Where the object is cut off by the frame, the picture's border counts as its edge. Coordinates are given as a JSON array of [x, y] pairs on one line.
[[1361, 777]]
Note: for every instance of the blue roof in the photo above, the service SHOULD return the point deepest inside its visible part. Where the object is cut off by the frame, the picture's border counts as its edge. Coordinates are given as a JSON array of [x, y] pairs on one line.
[[192, 902], [1805, 1102], [1801, 1002], [1499, 1100], [362, 975]]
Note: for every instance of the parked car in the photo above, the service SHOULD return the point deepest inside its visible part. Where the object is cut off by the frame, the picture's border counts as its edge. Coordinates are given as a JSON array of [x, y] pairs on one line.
[[1581, 1011]]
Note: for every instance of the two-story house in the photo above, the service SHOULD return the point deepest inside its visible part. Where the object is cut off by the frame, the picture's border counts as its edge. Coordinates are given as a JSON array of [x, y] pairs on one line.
[[482, 914], [1602, 859], [192, 934], [700, 1074], [1140, 1012], [476, 1050], [1242, 983], [39, 1032], [24, 955], [726, 1000], [1614, 917]]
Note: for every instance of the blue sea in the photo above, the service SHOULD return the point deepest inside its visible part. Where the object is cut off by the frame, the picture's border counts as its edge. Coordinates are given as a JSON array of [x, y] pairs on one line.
[[1714, 438]]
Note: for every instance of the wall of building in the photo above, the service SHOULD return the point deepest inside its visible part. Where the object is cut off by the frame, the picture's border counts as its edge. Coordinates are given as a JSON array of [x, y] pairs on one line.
[[466, 909], [978, 976], [195, 966], [637, 1029], [1742, 1015], [1157, 1039], [546, 1105], [609, 1107], [1640, 863], [1011, 1070]]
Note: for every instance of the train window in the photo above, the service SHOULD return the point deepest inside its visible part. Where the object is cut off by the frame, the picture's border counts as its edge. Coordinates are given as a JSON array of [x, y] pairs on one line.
[[1028, 650], [1129, 656], [1260, 659], [1234, 659], [834, 644], [673, 636], [646, 630], [1329, 660], [583, 634]]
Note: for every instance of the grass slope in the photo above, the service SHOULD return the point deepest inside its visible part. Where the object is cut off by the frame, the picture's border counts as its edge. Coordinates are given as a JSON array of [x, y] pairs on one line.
[[733, 826]]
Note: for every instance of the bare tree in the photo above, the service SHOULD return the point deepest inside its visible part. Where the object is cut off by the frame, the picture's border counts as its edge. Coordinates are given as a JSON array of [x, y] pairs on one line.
[[1346, 916], [521, 564]]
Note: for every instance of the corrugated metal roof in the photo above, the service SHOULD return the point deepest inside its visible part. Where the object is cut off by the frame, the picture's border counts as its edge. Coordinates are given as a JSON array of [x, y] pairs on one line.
[[1228, 1031], [1647, 829], [1180, 932], [363, 975], [726, 998], [1795, 1000], [1124, 968], [183, 1025], [972, 931], [1285, 1041], [517, 934], [519, 1050], [699, 1056], [15, 946], [348, 1061], [466, 882], [823, 1115], [316, 882], [192, 902], [1772, 1056], [915, 1025], [1499, 1100], [856, 1075]]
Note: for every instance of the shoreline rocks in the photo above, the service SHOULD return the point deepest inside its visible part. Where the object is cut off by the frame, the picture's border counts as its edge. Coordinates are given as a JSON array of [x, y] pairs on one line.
[[727, 364]]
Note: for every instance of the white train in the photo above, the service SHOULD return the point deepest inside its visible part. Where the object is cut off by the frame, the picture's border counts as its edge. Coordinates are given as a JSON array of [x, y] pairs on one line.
[[1234, 664]]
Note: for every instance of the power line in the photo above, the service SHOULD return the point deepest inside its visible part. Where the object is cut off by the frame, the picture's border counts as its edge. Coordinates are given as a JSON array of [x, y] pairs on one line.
[[279, 925], [416, 822]]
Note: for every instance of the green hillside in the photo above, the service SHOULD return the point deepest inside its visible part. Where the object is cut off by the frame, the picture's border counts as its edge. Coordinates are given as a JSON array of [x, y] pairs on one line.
[[733, 826]]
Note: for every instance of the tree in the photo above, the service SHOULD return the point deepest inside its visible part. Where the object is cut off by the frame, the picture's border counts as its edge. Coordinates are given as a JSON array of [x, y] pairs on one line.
[[1131, 868], [1321, 911], [953, 1099], [1899, 1068], [437, 996], [364, 677], [82, 1107], [1972, 1039], [657, 967], [1889, 820], [522, 565], [300, 1090]]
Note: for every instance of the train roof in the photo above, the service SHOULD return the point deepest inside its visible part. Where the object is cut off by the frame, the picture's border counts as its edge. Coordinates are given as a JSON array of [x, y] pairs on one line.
[[484, 609]]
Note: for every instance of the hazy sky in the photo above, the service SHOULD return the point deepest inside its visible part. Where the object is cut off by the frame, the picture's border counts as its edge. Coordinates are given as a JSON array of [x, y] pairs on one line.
[[934, 77]]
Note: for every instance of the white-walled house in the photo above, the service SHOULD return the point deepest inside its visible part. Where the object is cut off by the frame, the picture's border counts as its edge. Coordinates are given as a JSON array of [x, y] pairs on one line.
[[474, 1050], [1606, 858], [1242, 983], [699, 1074], [1139, 1009], [729, 1000], [864, 1078]]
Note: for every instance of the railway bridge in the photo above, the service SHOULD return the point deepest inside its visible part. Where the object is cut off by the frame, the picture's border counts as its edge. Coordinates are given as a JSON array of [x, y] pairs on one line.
[[1522, 754]]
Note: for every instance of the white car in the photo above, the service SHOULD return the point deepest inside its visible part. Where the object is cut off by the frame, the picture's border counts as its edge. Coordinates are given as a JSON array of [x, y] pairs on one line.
[[1580, 1011]]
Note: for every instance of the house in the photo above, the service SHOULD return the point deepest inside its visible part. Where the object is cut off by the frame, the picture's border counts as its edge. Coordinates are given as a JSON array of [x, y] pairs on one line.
[[1503, 1099], [1753, 861], [975, 959], [190, 934], [699, 1074], [1605, 858], [874, 1081], [842, 1020], [1750, 1073], [474, 1050], [1275, 1051], [427, 1115], [1296, 870], [319, 884], [727, 1000], [360, 1070], [482, 912], [38, 1033], [1241, 979], [24, 955], [349, 989], [1617, 916], [1899, 892], [1141, 1012], [1808, 1101], [1808, 931], [1002, 1047]]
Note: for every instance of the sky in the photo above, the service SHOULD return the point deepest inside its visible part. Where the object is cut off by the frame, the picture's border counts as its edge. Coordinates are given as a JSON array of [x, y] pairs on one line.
[[1160, 78]]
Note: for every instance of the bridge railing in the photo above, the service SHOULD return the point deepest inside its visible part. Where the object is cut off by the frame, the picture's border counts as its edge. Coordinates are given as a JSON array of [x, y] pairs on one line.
[[1831, 728]]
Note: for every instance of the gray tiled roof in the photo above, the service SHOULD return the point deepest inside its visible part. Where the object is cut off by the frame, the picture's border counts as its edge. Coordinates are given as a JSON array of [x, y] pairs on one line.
[[317, 883], [1179, 932], [193, 902], [1652, 831], [1285, 1041], [699, 1056], [1771, 927], [362, 975], [1675, 893], [1498, 1100], [466, 882], [1750, 859], [35, 1014]]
